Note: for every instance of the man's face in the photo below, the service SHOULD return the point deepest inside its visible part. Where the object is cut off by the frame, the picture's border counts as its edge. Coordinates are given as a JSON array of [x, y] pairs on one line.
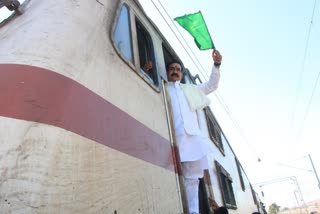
[[174, 72]]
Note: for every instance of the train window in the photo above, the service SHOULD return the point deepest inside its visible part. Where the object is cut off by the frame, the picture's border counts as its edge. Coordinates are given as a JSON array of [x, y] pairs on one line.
[[213, 128], [146, 54], [166, 55], [226, 188], [6, 13], [240, 174], [255, 200], [122, 34]]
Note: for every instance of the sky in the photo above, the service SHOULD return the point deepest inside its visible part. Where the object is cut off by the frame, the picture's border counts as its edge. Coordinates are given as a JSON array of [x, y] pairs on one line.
[[4, 13], [271, 61]]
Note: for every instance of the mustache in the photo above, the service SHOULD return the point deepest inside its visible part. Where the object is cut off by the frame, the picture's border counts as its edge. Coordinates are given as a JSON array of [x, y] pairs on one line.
[[174, 74]]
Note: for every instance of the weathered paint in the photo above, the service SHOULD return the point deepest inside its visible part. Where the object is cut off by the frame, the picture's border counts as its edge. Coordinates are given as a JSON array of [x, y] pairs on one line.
[[47, 169], [58, 151], [40, 95]]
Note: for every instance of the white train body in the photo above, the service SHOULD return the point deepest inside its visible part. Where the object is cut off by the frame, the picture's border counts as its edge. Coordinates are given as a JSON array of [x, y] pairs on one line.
[[82, 128]]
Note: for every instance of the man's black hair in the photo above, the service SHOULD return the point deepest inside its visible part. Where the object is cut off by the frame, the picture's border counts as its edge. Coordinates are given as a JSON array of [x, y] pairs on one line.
[[221, 210], [174, 61]]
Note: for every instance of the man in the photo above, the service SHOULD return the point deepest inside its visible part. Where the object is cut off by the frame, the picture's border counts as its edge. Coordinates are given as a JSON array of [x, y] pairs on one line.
[[147, 71], [216, 208], [193, 146]]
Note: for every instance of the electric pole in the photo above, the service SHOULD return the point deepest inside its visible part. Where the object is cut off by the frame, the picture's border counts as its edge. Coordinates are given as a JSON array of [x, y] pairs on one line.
[[314, 170]]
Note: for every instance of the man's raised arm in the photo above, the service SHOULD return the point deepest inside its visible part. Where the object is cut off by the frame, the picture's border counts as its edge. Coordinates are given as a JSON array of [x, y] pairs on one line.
[[213, 82]]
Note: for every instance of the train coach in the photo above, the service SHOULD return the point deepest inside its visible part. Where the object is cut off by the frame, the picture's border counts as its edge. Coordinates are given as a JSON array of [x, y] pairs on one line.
[[83, 129]]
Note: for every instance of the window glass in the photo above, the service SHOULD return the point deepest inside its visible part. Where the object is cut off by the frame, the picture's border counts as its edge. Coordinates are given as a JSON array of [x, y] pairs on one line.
[[240, 175], [213, 128], [146, 54], [255, 200], [226, 188], [168, 57], [122, 34]]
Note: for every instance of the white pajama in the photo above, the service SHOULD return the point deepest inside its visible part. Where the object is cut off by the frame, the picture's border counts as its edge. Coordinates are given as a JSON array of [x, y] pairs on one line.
[[192, 171]]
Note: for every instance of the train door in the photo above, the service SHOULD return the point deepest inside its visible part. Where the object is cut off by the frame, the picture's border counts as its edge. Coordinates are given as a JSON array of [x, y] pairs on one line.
[[139, 45], [205, 190]]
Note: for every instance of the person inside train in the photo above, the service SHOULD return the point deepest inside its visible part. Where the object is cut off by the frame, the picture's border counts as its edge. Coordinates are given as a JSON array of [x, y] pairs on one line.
[[147, 70], [186, 100], [216, 208]]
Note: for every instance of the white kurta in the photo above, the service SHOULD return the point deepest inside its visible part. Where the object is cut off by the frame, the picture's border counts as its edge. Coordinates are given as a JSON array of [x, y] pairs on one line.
[[192, 144]]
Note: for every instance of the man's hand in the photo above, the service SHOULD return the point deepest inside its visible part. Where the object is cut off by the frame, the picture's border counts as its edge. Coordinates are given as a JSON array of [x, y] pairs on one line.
[[216, 56], [147, 66], [213, 204]]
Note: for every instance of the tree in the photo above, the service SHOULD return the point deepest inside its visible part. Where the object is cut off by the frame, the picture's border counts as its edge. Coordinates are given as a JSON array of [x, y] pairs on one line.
[[274, 208]]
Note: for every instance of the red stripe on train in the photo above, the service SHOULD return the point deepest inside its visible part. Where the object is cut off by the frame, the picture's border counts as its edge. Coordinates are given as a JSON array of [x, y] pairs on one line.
[[36, 94]]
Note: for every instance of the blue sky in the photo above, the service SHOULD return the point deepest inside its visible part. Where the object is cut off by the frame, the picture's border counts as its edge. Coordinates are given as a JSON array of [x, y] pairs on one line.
[[4, 13], [265, 84]]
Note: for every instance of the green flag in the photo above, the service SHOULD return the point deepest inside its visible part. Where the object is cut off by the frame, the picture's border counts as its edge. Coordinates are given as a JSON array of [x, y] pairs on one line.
[[196, 26]]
